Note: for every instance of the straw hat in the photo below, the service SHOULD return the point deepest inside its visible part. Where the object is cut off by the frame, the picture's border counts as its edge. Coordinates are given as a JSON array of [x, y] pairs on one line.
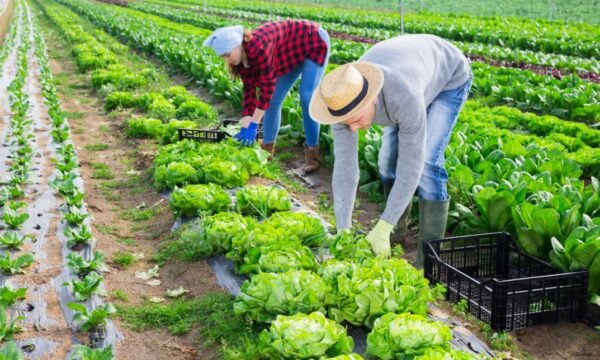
[[345, 91]]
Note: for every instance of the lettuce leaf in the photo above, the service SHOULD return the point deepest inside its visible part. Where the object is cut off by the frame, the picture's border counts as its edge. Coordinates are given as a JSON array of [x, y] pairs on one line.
[[267, 295], [396, 336], [304, 337], [278, 257], [362, 293], [191, 199]]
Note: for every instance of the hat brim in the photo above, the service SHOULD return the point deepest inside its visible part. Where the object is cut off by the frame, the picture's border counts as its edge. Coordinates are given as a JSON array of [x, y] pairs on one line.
[[319, 111]]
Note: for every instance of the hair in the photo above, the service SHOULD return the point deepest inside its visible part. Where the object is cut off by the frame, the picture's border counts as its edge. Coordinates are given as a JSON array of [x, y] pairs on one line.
[[234, 70]]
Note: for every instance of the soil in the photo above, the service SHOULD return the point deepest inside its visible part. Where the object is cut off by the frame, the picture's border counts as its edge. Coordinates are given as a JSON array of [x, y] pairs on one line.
[[559, 341], [5, 17]]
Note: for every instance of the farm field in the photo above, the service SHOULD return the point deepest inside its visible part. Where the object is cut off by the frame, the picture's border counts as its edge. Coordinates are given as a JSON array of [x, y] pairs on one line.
[[119, 240]]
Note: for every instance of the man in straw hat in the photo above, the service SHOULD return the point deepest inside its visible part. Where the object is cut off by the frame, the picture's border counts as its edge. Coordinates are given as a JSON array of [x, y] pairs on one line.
[[414, 86]]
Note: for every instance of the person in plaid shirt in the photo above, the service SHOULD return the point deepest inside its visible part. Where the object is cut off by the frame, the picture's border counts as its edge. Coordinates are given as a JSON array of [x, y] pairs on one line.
[[269, 60]]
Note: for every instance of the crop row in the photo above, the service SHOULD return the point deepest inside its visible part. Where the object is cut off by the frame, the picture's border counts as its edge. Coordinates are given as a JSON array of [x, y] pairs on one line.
[[511, 138], [12, 194], [567, 98], [488, 51], [272, 245], [539, 35], [184, 51]]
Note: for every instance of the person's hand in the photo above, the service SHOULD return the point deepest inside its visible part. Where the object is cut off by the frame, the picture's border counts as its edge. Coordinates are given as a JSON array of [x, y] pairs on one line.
[[248, 137], [245, 121], [379, 238]]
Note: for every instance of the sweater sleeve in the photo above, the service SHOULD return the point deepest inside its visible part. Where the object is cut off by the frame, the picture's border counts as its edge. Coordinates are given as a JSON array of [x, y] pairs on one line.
[[345, 174], [412, 119]]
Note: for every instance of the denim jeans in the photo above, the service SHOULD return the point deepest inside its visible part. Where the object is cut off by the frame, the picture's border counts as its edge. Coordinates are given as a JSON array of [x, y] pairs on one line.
[[442, 115], [311, 76]]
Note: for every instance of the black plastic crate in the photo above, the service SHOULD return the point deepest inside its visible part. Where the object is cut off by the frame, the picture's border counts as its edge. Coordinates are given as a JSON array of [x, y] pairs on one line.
[[212, 135], [503, 286]]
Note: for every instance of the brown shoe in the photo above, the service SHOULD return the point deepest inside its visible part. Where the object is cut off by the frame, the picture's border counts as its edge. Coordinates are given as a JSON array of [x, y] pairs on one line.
[[312, 160], [270, 148]]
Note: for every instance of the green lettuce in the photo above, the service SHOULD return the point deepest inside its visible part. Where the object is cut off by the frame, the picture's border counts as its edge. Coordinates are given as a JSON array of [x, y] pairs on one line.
[[262, 200], [226, 173], [267, 295], [304, 337], [405, 335], [174, 174], [440, 353], [278, 257], [221, 228], [343, 357], [306, 228], [258, 235], [362, 293], [144, 128], [191, 199], [350, 246]]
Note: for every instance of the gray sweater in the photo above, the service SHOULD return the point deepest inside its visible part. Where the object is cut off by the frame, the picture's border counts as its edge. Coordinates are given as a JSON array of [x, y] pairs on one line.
[[416, 68]]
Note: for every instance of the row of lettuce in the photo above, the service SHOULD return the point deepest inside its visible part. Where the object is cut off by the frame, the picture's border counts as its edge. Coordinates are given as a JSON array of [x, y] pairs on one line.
[[293, 285], [176, 45], [13, 195], [12, 207], [497, 128], [85, 268], [221, 16], [538, 35], [202, 171], [568, 98]]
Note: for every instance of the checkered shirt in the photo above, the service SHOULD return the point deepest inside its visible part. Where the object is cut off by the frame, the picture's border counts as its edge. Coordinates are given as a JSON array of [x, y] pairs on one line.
[[275, 49]]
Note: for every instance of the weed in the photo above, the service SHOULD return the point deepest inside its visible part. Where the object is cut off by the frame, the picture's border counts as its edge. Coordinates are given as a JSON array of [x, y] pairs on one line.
[[140, 214], [74, 115], [212, 313], [179, 247], [101, 171], [119, 295], [286, 156], [128, 242], [107, 229], [96, 147], [123, 259], [461, 307]]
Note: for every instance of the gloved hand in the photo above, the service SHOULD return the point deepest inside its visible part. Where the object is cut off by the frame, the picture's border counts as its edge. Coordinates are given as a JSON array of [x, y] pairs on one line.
[[247, 136], [245, 122], [239, 136], [379, 238]]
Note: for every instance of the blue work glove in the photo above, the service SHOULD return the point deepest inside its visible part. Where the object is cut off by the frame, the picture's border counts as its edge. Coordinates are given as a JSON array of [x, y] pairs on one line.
[[239, 136], [249, 135]]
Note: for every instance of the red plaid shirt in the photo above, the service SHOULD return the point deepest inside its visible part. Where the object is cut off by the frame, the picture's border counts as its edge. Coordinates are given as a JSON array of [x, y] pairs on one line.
[[275, 49]]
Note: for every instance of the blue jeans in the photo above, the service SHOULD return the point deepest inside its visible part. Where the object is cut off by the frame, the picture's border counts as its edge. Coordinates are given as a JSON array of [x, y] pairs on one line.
[[311, 76], [442, 115]]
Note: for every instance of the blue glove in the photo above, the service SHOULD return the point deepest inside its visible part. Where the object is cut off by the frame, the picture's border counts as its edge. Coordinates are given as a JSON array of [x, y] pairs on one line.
[[239, 136], [249, 136]]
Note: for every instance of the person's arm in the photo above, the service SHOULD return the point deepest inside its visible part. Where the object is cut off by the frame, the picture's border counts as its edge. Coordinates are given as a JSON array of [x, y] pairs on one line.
[[345, 174], [266, 81], [412, 117], [249, 101]]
